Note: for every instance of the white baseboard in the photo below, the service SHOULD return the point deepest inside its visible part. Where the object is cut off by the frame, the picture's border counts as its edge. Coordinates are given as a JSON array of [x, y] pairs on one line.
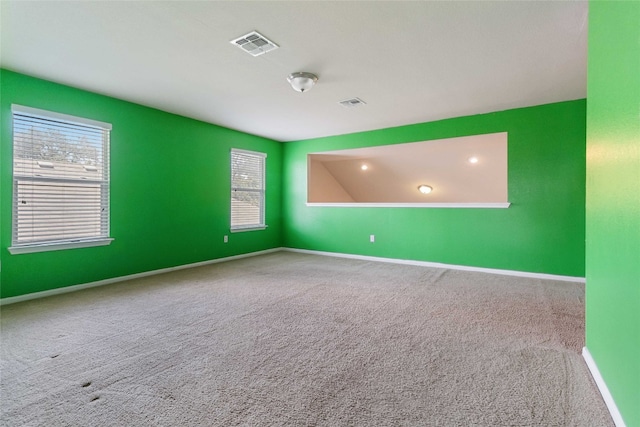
[[73, 288], [602, 387], [439, 265]]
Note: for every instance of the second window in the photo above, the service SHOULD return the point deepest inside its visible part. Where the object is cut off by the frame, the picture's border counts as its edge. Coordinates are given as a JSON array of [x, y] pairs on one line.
[[247, 190]]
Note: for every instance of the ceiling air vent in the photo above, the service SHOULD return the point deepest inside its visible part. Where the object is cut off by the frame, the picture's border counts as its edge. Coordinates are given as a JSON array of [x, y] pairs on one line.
[[254, 43], [353, 102]]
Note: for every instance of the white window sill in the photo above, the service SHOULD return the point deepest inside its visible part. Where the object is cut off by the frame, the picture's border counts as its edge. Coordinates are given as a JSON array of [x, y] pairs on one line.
[[45, 247], [413, 205], [249, 228]]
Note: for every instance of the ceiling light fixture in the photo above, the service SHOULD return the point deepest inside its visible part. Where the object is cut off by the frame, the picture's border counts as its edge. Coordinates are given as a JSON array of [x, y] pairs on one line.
[[364, 167], [302, 81], [473, 160], [425, 189]]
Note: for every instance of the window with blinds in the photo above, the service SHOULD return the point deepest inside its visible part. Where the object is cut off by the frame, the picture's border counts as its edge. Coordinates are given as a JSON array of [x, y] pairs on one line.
[[60, 180], [247, 190]]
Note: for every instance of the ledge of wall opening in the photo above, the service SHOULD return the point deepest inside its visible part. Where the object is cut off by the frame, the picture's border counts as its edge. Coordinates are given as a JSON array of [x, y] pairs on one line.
[[413, 205]]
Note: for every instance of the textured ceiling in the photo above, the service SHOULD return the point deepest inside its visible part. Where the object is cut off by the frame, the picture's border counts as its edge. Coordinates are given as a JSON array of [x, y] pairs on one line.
[[410, 62]]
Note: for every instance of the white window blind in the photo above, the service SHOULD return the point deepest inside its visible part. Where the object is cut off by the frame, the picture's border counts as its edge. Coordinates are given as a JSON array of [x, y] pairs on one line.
[[247, 189], [60, 178]]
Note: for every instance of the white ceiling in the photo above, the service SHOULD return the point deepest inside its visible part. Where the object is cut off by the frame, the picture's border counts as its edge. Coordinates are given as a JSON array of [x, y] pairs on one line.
[[410, 62]]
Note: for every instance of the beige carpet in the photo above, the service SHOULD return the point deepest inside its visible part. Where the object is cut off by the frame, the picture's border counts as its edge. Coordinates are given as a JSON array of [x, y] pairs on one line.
[[300, 340]]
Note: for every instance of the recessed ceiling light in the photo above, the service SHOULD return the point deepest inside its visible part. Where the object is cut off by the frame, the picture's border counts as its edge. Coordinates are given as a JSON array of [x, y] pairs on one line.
[[364, 167], [425, 189], [473, 160]]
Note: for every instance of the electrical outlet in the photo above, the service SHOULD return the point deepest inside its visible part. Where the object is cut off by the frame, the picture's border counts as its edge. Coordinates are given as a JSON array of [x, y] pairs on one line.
[[226, 239], [372, 238]]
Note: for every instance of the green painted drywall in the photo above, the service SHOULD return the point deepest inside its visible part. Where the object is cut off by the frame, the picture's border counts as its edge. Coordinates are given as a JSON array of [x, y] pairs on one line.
[[613, 200], [542, 231], [170, 190]]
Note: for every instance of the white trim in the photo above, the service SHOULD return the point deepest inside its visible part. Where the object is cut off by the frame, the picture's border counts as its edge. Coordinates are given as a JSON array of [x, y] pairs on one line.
[[252, 153], [73, 288], [46, 247], [543, 276], [57, 291], [250, 228], [412, 205], [45, 114], [602, 387]]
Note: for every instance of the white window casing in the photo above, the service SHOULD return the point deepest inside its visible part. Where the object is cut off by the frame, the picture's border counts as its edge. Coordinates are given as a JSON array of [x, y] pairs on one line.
[[60, 181], [247, 190]]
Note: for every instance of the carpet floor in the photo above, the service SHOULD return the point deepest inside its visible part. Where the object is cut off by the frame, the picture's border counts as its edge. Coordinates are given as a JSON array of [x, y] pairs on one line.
[[288, 339]]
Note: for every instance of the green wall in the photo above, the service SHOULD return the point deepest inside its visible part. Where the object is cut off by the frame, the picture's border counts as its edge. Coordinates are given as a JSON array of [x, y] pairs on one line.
[[170, 195], [170, 190], [542, 231], [613, 200]]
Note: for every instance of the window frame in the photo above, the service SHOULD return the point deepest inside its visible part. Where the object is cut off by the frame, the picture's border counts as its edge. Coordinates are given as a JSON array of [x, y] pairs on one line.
[[262, 225], [54, 244]]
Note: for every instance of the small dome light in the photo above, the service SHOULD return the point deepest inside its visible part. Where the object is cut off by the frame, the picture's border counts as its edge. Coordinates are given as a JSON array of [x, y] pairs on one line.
[[302, 81], [425, 189], [473, 160], [364, 167]]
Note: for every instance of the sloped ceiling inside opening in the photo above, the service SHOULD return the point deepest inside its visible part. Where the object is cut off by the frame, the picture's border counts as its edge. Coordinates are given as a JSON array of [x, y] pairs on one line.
[[394, 172], [409, 61]]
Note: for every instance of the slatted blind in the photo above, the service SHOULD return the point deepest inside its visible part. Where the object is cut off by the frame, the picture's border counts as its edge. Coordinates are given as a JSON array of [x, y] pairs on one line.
[[247, 189], [60, 178]]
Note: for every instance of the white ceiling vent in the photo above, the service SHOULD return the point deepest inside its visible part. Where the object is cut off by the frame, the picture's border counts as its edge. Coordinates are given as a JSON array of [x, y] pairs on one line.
[[353, 102], [254, 43]]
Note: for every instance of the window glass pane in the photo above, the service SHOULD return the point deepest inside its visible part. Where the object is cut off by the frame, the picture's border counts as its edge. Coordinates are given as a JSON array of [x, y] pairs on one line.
[[247, 189], [61, 179]]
